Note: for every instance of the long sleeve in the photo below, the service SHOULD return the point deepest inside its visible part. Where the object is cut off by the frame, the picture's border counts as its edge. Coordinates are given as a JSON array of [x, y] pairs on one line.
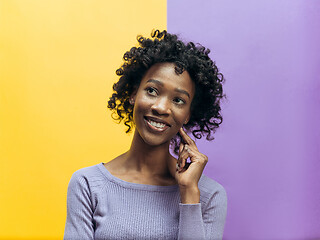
[[101, 206], [193, 224], [79, 224]]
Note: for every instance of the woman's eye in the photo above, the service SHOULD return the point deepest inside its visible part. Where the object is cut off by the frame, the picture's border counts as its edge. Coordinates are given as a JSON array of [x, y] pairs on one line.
[[151, 91], [179, 101]]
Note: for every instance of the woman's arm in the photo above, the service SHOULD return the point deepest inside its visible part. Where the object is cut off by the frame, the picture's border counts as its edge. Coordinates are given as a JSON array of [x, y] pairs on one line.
[[79, 223], [194, 224], [215, 214]]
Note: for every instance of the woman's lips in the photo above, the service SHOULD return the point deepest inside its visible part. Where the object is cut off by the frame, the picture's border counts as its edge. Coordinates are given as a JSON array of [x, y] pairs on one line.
[[156, 124]]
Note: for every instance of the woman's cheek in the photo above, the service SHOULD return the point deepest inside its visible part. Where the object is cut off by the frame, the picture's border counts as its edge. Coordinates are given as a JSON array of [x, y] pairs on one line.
[[180, 119]]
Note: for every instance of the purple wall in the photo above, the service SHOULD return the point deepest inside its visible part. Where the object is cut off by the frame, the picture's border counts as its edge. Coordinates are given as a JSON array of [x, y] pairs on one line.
[[266, 153]]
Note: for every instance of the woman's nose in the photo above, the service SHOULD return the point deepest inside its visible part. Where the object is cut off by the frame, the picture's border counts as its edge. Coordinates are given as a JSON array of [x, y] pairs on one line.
[[161, 106]]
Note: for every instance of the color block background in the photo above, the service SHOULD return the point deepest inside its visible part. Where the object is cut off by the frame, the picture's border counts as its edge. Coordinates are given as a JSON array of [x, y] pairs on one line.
[[267, 152], [57, 64]]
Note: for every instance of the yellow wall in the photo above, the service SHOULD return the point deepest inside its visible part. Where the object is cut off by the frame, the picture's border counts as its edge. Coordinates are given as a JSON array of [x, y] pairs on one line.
[[57, 65]]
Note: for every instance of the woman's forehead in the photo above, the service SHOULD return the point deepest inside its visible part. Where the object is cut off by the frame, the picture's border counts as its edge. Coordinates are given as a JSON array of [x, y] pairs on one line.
[[165, 75], [165, 68]]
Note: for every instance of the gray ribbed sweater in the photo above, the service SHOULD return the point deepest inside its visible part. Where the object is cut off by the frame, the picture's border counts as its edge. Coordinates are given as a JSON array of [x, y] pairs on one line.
[[101, 206]]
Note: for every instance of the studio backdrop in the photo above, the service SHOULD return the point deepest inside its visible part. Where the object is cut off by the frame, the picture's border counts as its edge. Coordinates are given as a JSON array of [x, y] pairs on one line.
[[57, 67]]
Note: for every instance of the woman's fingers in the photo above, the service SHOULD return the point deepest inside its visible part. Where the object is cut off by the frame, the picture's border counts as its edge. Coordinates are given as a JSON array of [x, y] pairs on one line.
[[181, 146], [183, 157], [185, 154], [188, 140], [188, 150], [185, 136], [189, 171]]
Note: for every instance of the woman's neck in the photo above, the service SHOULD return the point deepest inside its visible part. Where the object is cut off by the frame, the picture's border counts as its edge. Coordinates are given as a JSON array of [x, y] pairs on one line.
[[144, 164], [147, 159]]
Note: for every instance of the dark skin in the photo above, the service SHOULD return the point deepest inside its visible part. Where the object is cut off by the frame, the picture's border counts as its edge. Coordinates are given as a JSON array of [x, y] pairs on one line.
[[161, 106]]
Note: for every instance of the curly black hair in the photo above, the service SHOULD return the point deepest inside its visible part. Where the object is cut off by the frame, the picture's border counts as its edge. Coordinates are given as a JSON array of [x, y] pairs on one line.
[[165, 47]]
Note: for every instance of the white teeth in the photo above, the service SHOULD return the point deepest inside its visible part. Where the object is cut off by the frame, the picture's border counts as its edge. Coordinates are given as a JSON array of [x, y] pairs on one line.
[[156, 124]]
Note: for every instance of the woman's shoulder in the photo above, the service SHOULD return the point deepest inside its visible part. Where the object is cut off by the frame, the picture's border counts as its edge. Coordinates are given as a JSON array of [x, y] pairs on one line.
[[210, 188], [89, 176], [91, 171]]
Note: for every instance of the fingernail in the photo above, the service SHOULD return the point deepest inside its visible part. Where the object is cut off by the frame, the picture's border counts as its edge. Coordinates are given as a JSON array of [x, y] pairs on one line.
[[177, 167], [186, 147]]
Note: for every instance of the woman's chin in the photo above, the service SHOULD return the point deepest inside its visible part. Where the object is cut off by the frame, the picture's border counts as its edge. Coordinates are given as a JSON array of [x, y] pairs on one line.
[[156, 142]]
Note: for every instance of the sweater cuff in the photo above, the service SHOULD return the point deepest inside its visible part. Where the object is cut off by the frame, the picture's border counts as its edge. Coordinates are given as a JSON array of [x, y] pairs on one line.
[[191, 215]]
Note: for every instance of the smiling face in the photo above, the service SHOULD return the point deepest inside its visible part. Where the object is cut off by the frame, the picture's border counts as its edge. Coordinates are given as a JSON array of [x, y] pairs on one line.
[[162, 103]]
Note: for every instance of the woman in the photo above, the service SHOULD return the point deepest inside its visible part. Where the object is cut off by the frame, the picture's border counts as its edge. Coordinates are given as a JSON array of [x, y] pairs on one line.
[[165, 86]]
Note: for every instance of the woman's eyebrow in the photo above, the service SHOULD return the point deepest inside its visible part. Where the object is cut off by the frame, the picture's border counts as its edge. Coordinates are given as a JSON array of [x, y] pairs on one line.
[[155, 81], [182, 91], [176, 89]]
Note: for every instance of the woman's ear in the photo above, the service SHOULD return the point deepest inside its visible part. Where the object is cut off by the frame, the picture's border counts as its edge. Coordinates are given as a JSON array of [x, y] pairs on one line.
[[133, 97], [187, 120]]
